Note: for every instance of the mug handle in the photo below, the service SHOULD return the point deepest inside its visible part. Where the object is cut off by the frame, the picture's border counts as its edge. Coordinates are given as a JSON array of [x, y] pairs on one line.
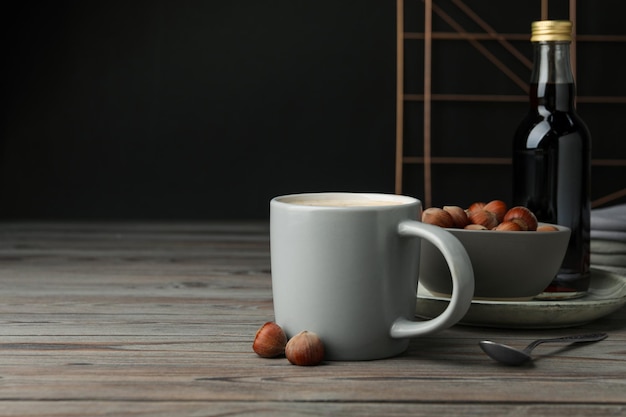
[[462, 280]]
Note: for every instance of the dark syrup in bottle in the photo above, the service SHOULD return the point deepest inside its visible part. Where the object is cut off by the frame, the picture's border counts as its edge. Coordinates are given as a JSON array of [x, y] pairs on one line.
[[551, 176]]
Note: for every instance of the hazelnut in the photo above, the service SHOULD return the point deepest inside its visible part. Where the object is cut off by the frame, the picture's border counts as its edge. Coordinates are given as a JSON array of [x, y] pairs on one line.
[[438, 217], [547, 228], [270, 340], [522, 216], [508, 226], [459, 216], [497, 207], [475, 206], [484, 218], [473, 226], [305, 349]]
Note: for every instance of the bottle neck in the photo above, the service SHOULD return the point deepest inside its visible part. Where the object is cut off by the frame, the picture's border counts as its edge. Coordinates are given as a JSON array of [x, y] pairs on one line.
[[552, 80]]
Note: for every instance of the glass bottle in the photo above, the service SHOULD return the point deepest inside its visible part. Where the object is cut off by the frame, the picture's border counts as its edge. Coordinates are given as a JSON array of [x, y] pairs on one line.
[[552, 155]]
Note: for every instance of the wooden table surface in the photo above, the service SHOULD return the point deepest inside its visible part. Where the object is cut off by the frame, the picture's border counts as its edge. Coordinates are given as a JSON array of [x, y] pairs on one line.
[[137, 319]]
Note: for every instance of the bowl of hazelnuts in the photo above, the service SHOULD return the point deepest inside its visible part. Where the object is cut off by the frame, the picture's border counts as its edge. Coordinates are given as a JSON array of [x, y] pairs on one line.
[[514, 257]]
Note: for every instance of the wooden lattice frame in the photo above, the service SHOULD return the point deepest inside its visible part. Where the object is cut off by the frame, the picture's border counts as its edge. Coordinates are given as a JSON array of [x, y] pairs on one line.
[[427, 160]]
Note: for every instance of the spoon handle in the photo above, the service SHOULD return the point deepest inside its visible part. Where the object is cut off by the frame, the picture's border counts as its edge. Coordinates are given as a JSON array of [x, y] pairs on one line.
[[592, 337]]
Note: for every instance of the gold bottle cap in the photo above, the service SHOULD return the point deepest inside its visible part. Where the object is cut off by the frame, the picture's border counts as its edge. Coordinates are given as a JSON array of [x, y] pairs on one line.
[[551, 30]]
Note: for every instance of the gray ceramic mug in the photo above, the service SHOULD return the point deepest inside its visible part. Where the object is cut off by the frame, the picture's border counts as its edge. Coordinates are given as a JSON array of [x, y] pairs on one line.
[[345, 266]]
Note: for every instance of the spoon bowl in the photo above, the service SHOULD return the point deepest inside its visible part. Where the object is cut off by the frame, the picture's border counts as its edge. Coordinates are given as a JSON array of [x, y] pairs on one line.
[[504, 353], [513, 356]]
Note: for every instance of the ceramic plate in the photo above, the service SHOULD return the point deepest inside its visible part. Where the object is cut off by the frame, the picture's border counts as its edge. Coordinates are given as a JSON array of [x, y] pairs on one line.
[[607, 293]]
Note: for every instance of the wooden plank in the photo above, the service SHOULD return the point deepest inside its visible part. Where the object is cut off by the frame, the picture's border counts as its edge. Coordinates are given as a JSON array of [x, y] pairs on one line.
[[272, 409]]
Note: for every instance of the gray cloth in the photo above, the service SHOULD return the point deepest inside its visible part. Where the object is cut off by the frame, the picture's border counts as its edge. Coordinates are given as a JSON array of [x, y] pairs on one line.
[[620, 270], [602, 246], [617, 259], [609, 223], [608, 237]]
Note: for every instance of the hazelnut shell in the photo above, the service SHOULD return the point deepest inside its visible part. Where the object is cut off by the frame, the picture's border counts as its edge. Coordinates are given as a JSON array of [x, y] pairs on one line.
[[479, 205], [473, 226], [547, 228], [484, 218], [459, 216], [508, 226], [497, 207], [305, 349], [270, 340], [437, 217], [522, 216]]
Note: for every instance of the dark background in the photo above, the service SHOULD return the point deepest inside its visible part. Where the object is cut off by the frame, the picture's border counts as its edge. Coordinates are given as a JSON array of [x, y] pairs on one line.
[[207, 109]]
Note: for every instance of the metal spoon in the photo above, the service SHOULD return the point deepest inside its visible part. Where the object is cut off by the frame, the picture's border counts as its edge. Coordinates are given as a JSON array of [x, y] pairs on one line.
[[512, 356]]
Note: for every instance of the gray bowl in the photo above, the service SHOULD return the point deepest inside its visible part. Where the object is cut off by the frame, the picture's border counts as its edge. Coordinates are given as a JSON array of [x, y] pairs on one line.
[[507, 265]]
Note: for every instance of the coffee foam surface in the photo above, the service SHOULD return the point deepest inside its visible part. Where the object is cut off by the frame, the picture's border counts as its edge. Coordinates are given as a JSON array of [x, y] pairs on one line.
[[328, 202]]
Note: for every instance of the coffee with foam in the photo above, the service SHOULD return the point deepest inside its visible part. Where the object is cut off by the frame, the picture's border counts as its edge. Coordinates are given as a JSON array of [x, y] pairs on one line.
[[340, 202]]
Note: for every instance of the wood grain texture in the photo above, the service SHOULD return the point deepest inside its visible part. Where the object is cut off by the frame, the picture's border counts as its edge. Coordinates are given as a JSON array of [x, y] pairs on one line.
[[158, 319]]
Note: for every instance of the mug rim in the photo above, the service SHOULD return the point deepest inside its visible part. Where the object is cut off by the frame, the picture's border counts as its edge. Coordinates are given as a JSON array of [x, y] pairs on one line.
[[403, 199]]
